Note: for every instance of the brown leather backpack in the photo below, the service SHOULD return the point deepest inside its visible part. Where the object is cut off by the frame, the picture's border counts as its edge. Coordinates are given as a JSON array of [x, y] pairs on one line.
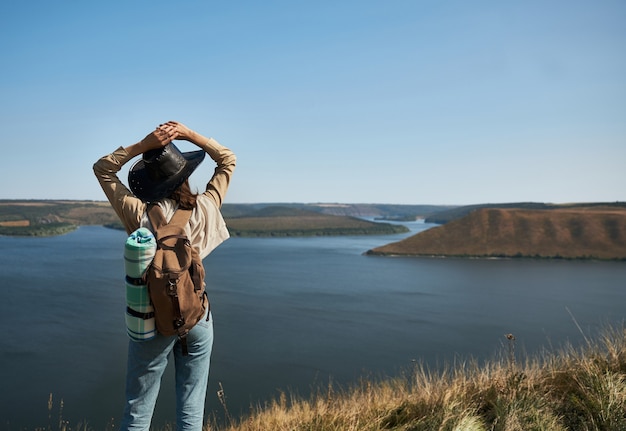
[[175, 278]]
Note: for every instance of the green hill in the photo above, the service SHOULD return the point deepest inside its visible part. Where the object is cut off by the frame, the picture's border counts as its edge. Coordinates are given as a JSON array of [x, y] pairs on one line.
[[51, 217], [597, 232], [288, 221]]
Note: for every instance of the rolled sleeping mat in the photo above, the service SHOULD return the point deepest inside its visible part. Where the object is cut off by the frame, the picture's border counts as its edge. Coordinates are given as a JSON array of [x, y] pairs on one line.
[[138, 254]]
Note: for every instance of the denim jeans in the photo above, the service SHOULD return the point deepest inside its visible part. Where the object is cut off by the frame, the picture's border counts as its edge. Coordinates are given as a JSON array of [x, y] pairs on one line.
[[146, 363]]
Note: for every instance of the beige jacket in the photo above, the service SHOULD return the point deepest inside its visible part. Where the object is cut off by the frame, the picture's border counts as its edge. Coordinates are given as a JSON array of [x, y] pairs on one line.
[[206, 229]]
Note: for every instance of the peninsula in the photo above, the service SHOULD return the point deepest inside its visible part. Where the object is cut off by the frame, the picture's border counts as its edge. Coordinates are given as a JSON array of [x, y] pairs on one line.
[[568, 232], [279, 221]]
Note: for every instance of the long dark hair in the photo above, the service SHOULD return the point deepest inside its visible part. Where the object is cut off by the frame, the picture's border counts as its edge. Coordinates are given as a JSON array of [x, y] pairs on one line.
[[184, 196]]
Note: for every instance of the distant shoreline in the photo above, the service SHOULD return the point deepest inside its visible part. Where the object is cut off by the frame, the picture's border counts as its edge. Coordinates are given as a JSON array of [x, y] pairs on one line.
[[594, 231], [490, 257], [52, 218]]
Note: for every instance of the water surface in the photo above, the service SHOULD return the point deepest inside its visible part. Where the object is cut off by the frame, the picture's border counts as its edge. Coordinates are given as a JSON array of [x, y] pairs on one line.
[[290, 314]]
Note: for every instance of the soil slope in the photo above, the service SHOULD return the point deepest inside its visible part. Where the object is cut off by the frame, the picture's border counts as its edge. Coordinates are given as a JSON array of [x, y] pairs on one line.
[[595, 232]]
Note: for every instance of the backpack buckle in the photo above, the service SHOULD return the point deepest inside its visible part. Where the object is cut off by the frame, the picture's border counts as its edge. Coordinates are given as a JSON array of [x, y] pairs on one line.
[[179, 322], [172, 288]]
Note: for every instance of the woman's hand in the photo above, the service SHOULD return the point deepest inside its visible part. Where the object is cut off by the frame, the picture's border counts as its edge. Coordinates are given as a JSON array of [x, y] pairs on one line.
[[177, 130], [163, 135], [160, 137]]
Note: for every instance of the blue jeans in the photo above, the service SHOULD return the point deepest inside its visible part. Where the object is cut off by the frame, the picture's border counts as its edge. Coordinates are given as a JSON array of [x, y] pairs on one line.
[[146, 363]]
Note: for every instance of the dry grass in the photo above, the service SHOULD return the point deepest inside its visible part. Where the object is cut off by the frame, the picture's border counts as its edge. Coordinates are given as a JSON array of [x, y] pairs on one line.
[[573, 389]]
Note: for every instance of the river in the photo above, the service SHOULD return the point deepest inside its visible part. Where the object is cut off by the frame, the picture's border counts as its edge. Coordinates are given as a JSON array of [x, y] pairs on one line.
[[291, 314]]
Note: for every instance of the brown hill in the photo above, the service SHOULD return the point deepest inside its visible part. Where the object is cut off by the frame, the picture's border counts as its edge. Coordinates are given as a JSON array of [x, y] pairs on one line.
[[594, 232]]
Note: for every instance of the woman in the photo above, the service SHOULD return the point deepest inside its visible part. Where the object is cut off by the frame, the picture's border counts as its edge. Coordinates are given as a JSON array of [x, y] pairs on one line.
[[161, 176]]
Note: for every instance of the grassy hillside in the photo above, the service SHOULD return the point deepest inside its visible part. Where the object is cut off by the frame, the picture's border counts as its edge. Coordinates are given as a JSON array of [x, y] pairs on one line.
[[286, 221], [569, 390], [583, 232]]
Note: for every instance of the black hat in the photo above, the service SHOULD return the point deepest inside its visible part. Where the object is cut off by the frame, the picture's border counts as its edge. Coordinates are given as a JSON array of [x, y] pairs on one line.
[[161, 171]]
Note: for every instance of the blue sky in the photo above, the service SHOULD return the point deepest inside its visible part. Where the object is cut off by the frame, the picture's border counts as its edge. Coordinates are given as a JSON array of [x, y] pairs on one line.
[[398, 101]]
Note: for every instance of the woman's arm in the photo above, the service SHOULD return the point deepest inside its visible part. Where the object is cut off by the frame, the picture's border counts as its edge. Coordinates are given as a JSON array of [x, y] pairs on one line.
[[225, 158], [127, 206], [160, 137]]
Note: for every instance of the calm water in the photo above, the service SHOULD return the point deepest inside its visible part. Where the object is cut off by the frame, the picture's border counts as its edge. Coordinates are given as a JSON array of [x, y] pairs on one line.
[[290, 314]]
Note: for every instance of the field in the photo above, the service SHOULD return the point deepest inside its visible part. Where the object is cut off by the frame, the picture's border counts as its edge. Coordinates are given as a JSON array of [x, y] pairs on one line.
[[15, 223]]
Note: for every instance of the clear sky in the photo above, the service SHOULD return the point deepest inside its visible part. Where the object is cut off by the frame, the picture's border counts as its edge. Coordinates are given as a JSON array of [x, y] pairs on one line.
[[356, 101]]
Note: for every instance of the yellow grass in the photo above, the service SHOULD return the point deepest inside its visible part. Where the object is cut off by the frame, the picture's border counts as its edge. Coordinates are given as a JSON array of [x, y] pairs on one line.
[[572, 389]]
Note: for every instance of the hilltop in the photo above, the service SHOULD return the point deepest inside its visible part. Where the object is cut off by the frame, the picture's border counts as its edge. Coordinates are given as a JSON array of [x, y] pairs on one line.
[[572, 232], [451, 213]]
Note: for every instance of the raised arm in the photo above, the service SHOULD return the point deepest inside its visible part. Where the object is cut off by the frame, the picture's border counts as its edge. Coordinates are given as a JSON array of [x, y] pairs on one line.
[[226, 160], [127, 206]]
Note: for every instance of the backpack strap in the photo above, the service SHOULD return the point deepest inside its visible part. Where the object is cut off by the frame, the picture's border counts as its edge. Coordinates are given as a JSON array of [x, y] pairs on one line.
[[157, 218], [180, 218]]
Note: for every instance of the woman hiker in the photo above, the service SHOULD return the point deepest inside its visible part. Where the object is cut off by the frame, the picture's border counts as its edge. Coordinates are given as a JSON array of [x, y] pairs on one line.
[[161, 177]]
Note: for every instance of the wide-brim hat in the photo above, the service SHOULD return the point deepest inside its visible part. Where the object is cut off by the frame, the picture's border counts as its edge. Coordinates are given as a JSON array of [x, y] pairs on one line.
[[161, 171]]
